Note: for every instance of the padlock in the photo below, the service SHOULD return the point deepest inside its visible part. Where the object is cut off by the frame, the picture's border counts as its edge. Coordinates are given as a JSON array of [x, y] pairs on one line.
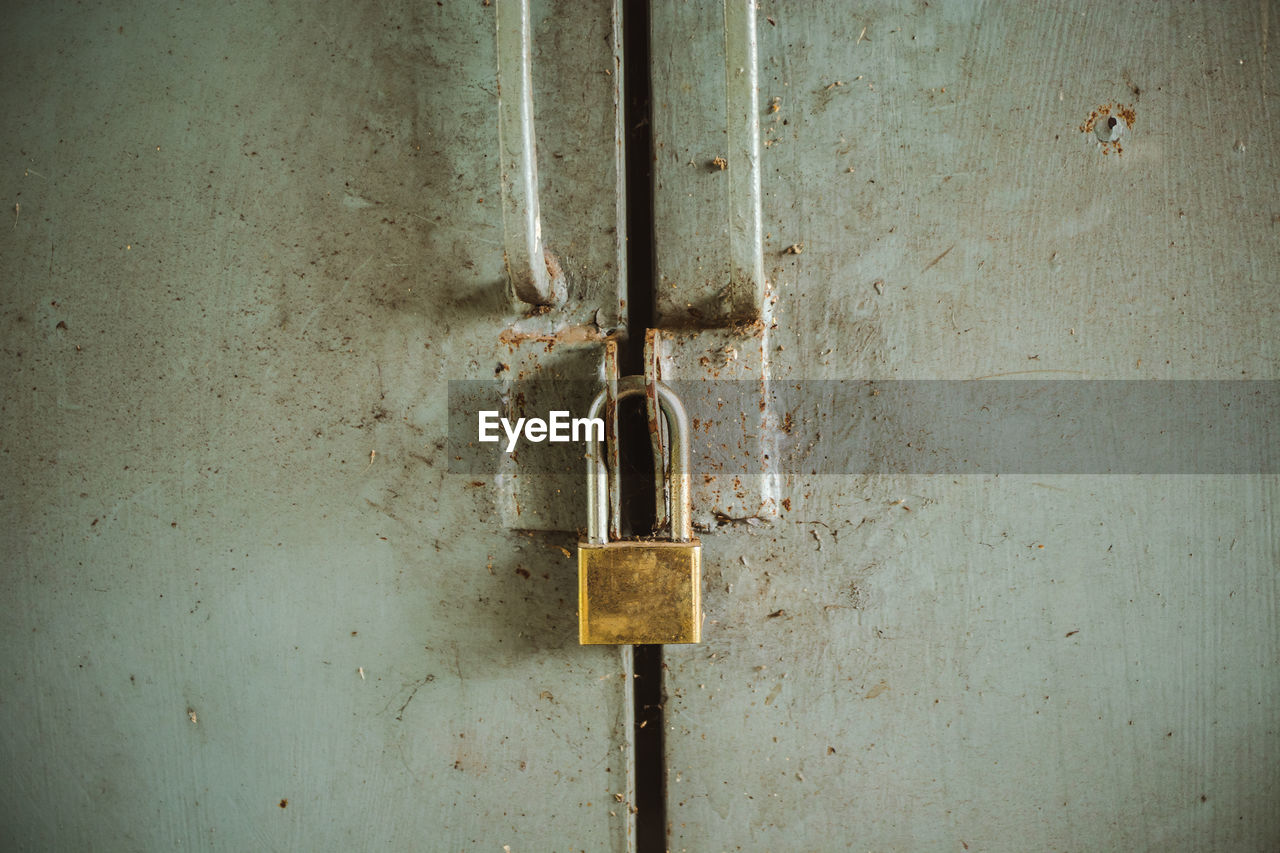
[[640, 591]]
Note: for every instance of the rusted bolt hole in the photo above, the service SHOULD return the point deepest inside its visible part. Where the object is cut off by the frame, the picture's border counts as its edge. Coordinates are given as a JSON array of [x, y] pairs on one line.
[[1109, 129]]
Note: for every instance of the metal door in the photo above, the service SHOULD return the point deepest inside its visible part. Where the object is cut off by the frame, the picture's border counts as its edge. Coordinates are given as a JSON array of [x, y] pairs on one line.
[[246, 605], [252, 602], [937, 655]]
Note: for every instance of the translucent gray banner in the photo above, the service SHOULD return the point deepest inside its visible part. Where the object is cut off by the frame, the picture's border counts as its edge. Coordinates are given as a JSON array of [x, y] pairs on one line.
[[820, 427]]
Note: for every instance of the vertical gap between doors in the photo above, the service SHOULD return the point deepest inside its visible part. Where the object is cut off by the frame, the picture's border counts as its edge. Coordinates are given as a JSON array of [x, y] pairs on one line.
[[634, 444]]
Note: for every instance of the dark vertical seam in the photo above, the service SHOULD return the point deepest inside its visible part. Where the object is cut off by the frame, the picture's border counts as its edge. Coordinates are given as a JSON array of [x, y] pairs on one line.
[[647, 738]]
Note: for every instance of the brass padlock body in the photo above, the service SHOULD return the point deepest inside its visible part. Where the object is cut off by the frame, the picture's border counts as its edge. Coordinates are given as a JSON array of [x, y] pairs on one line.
[[640, 592]]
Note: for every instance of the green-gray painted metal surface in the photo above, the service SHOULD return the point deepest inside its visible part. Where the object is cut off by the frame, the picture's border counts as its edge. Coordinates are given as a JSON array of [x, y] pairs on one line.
[[244, 604], [989, 662]]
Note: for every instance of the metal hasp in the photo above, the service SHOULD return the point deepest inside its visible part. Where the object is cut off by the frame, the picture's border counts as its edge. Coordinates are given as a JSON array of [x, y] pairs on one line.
[[636, 591]]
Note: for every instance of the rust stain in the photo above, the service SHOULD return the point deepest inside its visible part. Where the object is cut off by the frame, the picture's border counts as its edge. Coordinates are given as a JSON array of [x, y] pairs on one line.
[[567, 335], [552, 264], [1104, 112]]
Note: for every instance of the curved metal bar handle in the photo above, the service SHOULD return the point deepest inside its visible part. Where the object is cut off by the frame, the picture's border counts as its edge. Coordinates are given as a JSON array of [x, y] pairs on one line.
[[527, 268]]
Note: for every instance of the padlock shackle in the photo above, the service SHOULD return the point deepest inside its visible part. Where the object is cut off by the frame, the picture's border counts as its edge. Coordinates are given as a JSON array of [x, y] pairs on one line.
[[597, 471]]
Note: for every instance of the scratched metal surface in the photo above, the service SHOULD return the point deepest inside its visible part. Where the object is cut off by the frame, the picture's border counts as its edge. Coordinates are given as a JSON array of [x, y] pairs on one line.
[[982, 662], [244, 606]]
